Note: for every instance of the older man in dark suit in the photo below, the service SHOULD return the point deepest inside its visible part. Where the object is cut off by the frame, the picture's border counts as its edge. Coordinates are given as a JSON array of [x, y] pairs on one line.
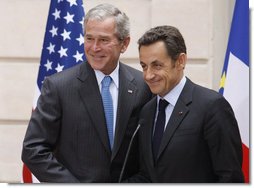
[[86, 115]]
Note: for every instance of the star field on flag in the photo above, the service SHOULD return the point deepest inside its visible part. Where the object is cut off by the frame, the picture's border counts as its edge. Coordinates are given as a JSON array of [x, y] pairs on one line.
[[64, 39]]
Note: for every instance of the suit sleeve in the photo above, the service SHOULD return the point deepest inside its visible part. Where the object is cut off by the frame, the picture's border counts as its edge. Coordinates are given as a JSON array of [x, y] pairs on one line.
[[41, 138], [222, 135]]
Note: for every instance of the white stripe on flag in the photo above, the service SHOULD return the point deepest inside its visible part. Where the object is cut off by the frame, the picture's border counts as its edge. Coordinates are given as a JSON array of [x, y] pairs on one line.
[[36, 96], [236, 91]]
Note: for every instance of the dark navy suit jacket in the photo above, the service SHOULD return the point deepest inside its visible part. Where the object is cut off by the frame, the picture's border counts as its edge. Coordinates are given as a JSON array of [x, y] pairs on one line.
[[201, 142]]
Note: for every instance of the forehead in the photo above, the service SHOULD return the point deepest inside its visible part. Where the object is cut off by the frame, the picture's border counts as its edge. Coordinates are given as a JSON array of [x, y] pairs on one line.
[[96, 26], [153, 51]]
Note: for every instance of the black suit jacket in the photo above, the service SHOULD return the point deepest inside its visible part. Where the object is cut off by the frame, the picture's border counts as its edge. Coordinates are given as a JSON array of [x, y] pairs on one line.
[[200, 144], [67, 140]]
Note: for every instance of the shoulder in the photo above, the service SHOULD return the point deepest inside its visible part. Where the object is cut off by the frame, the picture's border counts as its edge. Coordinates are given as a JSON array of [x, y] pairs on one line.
[[130, 70], [66, 80], [66, 75], [132, 76], [202, 92], [206, 97]]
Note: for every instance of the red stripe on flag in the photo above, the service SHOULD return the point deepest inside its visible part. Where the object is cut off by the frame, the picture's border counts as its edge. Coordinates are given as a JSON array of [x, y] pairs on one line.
[[27, 175], [245, 166]]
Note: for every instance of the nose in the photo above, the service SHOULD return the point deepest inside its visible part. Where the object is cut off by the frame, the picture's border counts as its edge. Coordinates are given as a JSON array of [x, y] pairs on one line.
[[149, 74], [96, 45]]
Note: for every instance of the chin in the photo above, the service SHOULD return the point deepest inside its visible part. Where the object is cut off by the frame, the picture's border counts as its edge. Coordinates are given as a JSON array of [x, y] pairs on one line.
[[96, 66], [154, 91]]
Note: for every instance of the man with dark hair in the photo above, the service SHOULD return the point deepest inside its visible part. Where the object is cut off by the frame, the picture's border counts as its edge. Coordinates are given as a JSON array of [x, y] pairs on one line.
[[189, 133]]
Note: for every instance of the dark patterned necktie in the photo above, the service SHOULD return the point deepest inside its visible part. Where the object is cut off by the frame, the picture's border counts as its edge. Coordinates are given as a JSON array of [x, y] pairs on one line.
[[159, 127]]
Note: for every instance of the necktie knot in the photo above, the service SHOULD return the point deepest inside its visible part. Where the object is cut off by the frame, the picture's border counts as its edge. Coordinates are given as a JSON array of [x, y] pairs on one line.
[[163, 104], [106, 81]]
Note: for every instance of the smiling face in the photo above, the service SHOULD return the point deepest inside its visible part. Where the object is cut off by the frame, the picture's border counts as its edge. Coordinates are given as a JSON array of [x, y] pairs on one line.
[[102, 46], [160, 72]]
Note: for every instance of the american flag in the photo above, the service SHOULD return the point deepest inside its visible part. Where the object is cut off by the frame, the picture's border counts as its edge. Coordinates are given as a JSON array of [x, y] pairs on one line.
[[63, 46]]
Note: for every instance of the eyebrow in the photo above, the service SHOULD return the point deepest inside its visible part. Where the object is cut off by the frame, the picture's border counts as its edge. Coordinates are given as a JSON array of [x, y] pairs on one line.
[[99, 36], [153, 62]]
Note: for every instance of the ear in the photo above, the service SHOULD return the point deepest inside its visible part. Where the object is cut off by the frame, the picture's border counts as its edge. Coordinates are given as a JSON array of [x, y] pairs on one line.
[[181, 62], [125, 44]]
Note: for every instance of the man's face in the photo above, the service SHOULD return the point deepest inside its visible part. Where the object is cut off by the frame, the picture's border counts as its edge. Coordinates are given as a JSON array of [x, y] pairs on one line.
[[102, 47], [160, 72]]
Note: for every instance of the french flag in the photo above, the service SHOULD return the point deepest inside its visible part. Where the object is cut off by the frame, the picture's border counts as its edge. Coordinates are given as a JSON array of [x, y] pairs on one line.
[[236, 74]]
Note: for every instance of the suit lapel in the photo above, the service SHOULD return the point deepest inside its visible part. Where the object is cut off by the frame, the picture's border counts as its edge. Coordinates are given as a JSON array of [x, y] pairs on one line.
[[179, 113], [90, 96], [126, 98]]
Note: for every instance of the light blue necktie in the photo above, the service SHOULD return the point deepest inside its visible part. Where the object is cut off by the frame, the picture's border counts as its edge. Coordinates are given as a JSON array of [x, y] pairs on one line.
[[108, 107]]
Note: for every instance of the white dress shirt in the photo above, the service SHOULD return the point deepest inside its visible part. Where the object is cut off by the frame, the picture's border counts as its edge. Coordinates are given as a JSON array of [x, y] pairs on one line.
[[171, 98]]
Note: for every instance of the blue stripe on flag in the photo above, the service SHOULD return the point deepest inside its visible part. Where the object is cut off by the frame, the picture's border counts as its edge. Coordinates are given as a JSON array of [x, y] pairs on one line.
[[239, 34], [238, 43]]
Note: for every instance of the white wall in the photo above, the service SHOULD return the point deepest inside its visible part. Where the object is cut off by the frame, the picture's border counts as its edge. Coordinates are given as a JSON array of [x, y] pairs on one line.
[[204, 24]]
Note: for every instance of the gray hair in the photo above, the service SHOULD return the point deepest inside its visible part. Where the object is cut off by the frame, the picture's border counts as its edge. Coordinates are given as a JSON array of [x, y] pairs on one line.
[[103, 11]]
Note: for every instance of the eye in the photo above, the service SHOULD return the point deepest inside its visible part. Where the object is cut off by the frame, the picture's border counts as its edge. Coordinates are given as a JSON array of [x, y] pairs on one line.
[[104, 40], [88, 39], [157, 66], [144, 67]]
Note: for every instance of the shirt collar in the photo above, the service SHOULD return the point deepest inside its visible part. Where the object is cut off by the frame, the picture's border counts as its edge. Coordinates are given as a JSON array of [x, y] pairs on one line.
[[174, 94], [114, 75]]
